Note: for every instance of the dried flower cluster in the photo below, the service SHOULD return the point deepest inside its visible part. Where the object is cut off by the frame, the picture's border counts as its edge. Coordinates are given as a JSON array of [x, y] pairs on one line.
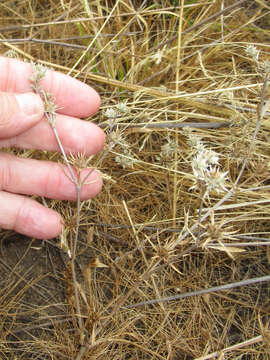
[[126, 157], [168, 151], [263, 67], [119, 110], [205, 166], [39, 73]]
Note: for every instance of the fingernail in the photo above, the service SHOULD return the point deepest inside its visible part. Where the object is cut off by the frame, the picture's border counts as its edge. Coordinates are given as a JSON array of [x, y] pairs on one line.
[[30, 104]]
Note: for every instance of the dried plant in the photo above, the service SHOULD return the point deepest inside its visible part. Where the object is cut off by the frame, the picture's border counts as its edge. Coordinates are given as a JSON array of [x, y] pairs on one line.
[[171, 260]]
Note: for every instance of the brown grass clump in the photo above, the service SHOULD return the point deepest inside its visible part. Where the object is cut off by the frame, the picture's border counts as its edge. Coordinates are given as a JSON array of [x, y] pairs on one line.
[[182, 209]]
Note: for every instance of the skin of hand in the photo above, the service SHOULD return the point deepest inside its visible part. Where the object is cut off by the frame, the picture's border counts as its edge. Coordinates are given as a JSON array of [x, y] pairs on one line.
[[22, 125]]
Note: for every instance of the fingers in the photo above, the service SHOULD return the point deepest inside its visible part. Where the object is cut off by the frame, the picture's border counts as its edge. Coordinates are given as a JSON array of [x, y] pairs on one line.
[[44, 178], [28, 217], [72, 96], [19, 113], [21, 125], [77, 136]]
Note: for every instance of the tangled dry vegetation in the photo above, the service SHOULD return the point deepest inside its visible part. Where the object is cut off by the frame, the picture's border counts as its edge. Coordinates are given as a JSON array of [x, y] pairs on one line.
[[183, 209]]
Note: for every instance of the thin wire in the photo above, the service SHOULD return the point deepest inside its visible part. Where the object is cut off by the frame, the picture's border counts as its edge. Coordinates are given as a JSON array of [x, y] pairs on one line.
[[201, 292]]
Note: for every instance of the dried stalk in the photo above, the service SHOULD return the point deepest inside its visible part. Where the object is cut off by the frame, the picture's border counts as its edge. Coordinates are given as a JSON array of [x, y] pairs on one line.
[[50, 114], [215, 354]]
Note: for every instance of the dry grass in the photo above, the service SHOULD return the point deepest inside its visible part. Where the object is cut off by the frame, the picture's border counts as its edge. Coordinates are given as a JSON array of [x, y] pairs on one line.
[[146, 235]]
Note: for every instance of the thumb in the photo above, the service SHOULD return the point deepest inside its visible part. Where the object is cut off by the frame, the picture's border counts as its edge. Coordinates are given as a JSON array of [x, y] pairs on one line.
[[19, 112]]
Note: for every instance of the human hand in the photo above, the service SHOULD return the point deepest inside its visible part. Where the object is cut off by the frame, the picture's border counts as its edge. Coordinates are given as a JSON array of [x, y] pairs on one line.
[[22, 125]]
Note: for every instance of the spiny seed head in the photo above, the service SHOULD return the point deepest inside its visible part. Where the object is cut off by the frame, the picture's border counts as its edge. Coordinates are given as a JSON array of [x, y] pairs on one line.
[[110, 113], [39, 73], [122, 108], [169, 148], [252, 51]]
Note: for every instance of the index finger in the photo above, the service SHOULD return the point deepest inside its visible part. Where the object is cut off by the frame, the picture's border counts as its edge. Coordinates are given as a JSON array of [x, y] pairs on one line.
[[73, 97]]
